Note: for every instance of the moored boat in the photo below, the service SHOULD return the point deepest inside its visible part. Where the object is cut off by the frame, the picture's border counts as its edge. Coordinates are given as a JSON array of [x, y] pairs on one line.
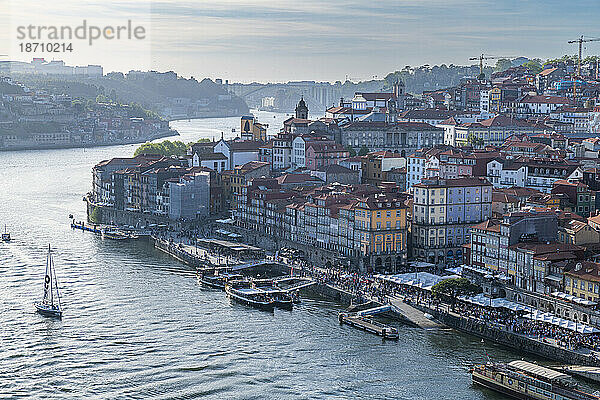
[[243, 292], [524, 380], [50, 305], [217, 277], [281, 297], [5, 235], [114, 235]]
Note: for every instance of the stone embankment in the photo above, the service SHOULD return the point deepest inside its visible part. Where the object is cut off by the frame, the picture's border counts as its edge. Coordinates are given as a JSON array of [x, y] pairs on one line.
[[500, 335]]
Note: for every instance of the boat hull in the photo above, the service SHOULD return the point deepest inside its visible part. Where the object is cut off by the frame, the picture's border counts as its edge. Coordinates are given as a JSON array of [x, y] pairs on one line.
[[286, 305], [499, 388], [214, 285], [249, 302], [48, 312]]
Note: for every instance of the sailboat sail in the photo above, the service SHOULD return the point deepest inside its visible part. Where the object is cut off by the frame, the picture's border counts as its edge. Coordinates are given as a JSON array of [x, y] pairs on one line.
[[50, 304]]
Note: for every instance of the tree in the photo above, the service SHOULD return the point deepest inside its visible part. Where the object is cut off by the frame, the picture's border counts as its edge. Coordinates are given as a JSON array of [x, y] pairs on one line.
[[452, 288], [95, 216], [502, 64], [363, 151], [474, 140], [533, 66], [165, 148], [351, 151]]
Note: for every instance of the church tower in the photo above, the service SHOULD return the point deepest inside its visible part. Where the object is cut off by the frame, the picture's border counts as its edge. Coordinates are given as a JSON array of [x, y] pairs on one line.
[[301, 109]]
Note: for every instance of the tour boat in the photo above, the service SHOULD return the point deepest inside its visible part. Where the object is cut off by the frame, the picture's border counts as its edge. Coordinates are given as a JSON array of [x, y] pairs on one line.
[[5, 235], [114, 235], [217, 278], [281, 297], [50, 304], [243, 292], [524, 380]]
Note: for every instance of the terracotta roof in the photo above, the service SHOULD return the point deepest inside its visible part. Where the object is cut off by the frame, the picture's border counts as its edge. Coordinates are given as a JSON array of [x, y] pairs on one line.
[[547, 71], [490, 225], [460, 182], [586, 270], [535, 99]]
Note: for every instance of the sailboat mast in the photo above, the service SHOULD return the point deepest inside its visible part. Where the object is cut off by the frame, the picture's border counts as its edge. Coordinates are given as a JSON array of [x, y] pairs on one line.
[[51, 291], [56, 284]]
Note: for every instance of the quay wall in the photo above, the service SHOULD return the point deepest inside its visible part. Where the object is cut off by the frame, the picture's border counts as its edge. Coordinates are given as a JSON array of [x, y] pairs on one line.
[[331, 293], [511, 339], [177, 253], [112, 216]]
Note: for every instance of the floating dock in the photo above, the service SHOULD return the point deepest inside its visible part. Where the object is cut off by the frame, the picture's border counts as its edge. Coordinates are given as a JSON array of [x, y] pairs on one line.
[[86, 227], [589, 373], [368, 325]]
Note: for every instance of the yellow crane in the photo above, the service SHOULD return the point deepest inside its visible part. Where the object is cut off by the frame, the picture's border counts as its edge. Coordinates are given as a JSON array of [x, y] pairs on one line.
[[581, 40]]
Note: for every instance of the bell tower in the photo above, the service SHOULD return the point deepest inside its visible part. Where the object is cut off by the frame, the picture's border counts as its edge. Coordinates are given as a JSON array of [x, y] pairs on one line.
[[301, 109]]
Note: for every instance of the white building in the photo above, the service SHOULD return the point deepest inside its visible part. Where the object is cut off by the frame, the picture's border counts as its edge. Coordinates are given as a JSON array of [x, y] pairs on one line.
[[506, 173], [238, 153]]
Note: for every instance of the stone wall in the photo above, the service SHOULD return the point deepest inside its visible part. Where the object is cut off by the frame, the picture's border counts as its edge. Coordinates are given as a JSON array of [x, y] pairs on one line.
[[510, 339]]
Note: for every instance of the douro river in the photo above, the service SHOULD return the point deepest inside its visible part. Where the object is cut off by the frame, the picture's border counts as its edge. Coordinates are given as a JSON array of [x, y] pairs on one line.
[[136, 324]]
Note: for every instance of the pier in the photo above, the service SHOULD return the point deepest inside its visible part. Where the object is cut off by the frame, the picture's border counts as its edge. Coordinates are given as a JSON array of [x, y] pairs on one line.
[[86, 227], [412, 314], [582, 371], [369, 325]]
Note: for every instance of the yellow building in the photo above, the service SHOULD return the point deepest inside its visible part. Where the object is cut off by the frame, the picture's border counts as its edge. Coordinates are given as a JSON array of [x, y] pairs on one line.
[[577, 232], [584, 280], [381, 230], [251, 129]]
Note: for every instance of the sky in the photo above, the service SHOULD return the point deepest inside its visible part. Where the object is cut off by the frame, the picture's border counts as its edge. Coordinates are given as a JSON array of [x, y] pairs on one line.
[[283, 40]]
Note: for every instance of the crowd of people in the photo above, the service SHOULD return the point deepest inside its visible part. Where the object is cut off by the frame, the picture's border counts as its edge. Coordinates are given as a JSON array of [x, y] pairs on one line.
[[365, 287]]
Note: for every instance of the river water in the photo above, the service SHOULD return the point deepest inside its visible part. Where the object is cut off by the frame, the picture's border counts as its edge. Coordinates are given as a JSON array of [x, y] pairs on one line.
[[137, 325]]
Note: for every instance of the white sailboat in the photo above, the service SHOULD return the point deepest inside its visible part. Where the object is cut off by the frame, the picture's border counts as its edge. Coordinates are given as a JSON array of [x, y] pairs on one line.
[[50, 304]]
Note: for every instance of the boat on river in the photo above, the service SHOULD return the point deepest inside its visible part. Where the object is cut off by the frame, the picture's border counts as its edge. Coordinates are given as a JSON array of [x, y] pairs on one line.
[[524, 380], [281, 297], [5, 235], [113, 234], [50, 305], [217, 277], [243, 292]]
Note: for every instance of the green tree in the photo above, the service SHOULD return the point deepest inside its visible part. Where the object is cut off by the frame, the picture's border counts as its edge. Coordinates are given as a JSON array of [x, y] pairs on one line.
[[474, 140], [95, 216], [363, 151], [165, 148], [502, 65], [451, 289], [534, 66], [351, 151]]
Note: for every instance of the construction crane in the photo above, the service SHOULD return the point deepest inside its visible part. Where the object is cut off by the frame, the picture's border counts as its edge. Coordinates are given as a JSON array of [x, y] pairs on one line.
[[483, 57], [581, 41]]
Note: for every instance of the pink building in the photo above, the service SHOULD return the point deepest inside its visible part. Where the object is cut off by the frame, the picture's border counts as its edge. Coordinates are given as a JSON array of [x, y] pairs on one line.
[[324, 153]]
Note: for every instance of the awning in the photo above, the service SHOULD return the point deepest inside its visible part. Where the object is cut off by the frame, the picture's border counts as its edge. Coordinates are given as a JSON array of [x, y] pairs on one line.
[[485, 301], [573, 299], [563, 323], [422, 280]]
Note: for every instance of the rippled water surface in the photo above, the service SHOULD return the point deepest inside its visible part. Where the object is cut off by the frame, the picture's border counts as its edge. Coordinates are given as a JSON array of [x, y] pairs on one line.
[[136, 324]]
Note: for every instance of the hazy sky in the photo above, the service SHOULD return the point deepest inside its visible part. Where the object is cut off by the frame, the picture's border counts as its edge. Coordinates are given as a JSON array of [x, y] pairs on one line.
[[265, 40]]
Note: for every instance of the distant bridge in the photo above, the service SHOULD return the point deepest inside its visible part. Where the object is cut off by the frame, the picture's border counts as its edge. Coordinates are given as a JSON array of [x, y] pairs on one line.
[[318, 95]]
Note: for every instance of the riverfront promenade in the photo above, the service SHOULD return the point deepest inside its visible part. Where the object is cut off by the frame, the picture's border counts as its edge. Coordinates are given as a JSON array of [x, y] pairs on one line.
[[500, 326]]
